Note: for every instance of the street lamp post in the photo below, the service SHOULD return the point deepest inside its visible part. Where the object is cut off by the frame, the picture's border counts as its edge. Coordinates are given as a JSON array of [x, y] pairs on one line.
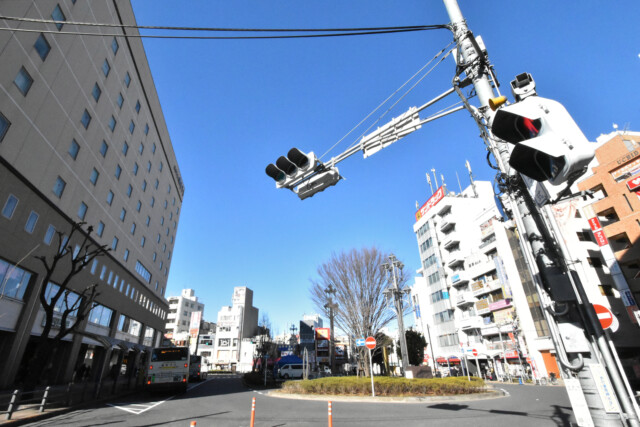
[[397, 294]]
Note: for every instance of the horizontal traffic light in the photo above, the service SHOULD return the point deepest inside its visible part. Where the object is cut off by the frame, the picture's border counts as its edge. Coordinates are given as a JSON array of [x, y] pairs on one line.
[[289, 170]]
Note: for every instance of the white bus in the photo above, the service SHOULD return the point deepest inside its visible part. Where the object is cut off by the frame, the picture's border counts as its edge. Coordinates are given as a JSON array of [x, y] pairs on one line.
[[168, 368]]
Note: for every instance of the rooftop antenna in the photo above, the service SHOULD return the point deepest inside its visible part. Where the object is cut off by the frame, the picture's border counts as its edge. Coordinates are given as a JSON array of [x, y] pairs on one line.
[[459, 185], [435, 178], [429, 181], [443, 184], [473, 184]]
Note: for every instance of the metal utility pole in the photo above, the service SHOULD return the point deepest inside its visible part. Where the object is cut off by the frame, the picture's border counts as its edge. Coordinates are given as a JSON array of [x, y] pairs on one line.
[[330, 305], [568, 309], [398, 295]]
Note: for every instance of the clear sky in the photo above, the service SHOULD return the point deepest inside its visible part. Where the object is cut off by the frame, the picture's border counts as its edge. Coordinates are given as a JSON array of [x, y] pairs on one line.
[[232, 107]]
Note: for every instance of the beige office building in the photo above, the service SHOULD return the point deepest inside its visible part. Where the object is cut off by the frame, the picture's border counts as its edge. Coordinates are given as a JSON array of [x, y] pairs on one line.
[[83, 138]]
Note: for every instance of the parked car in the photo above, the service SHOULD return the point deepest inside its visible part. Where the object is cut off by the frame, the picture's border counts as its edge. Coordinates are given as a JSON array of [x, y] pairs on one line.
[[291, 371]]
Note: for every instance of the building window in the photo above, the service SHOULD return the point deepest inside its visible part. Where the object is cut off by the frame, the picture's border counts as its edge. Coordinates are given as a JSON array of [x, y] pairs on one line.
[[153, 201], [127, 79], [149, 166], [14, 279], [23, 81], [100, 315], [135, 168], [166, 203], [584, 236], [86, 119], [57, 15], [125, 148], [120, 100], [156, 184], [138, 107], [142, 241], [118, 171], [143, 272], [123, 214], [126, 255], [114, 243], [58, 187], [594, 262], [129, 191], [110, 197], [114, 45], [155, 256], [4, 126], [144, 185], [106, 68], [96, 92], [10, 206], [112, 123], [138, 206], [48, 236], [82, 210], [148, 221], [74, 148], [104, 148], [100, 229], [158, 238], [162, 221], [132, 126], [133, 228], [146, 132], [42, 47], [160, 167], [94, 176]]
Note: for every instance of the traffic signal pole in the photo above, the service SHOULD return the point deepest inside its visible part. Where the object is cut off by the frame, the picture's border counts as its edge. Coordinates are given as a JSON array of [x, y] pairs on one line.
[[547, 264]]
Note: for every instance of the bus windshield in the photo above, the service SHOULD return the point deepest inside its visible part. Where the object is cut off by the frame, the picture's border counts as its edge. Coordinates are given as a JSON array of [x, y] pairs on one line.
[[169, 354]]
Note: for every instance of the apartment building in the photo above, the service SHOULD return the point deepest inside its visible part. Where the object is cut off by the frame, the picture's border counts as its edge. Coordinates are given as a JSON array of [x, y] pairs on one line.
[[474, 296], [180, 313], [235, 323], [83, 139]]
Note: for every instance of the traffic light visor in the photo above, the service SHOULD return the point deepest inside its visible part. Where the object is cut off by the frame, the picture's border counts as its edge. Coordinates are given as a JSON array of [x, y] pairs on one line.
[[515, 128], [298, 158], [275, 173], [536, 164]]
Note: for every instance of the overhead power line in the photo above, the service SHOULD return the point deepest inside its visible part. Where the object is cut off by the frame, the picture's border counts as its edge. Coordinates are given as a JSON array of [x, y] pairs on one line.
[[327, 32]]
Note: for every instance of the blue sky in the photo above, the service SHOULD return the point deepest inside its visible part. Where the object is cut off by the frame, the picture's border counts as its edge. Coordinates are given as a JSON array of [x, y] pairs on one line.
[[232, 107]]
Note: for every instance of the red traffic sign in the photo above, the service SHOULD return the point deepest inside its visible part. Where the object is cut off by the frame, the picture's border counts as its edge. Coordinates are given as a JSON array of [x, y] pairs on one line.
[[474, 352], [370, 343], [607, 319]]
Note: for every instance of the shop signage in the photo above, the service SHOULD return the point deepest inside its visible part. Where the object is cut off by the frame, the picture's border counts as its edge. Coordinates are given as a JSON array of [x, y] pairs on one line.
[[598, 233], [498, 305], [628, 168], [634, 183], [433, 200], [511, 354]]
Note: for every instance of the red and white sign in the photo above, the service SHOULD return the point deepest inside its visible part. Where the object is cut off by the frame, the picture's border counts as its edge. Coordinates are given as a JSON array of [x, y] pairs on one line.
[[606, 317], [433, 200], [634, 183], [598, 233], [594, 223], [474, 352], [370, 343]]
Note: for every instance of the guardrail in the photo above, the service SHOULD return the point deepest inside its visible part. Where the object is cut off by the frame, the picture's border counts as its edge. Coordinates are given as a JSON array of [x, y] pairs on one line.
[[59, 396]]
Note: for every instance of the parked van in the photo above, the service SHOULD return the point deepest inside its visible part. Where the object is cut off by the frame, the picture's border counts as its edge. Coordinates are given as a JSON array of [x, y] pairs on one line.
[[291, 371]]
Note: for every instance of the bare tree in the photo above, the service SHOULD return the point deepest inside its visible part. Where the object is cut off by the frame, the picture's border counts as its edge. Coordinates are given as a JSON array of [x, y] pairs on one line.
[[359, 280], [64, 310]]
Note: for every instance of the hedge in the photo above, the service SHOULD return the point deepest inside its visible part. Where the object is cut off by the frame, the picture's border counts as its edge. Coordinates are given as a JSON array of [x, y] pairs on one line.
[[386, 386]]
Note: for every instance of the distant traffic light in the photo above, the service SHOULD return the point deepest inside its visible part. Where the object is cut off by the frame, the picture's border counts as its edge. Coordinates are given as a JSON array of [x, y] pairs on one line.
[[288, 171], [549, 145]]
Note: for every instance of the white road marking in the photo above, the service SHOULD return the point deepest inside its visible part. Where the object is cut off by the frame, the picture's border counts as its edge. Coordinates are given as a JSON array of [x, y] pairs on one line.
[[506, 393]]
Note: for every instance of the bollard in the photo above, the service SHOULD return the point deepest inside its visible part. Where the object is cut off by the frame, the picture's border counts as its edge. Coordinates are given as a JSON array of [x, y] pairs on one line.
[[44, 399], [253, 411], [330, 416], [12, 404], [520, 380]]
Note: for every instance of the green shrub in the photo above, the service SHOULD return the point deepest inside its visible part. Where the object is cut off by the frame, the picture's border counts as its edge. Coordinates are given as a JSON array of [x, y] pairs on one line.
[[386, 386]]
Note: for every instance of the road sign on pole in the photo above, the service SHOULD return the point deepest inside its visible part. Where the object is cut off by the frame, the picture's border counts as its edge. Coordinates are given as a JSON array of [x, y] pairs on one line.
[[474, 352], [607, 319], [360, 342], [370, 343]]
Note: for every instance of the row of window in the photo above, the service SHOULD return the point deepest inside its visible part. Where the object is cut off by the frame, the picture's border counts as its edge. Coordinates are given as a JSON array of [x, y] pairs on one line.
[[433, 278], [432, 260], [439, 296], [12, 202], [448, 340], [422, 230], [443, 316], [426, 244]]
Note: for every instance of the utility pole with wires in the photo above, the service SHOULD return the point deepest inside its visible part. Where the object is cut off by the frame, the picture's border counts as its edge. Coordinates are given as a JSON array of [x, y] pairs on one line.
[[396, 295], [331, 306]]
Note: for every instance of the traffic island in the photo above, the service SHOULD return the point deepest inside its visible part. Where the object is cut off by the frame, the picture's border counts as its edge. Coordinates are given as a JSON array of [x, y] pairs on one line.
[[388, 389]]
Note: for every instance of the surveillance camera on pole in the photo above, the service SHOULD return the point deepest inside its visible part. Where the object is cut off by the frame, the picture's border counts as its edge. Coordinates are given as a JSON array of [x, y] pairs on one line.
[[549, 146]]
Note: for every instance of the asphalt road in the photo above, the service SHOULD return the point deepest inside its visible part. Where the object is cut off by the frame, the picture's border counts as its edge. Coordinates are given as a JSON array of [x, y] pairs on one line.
[[223, 401]]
